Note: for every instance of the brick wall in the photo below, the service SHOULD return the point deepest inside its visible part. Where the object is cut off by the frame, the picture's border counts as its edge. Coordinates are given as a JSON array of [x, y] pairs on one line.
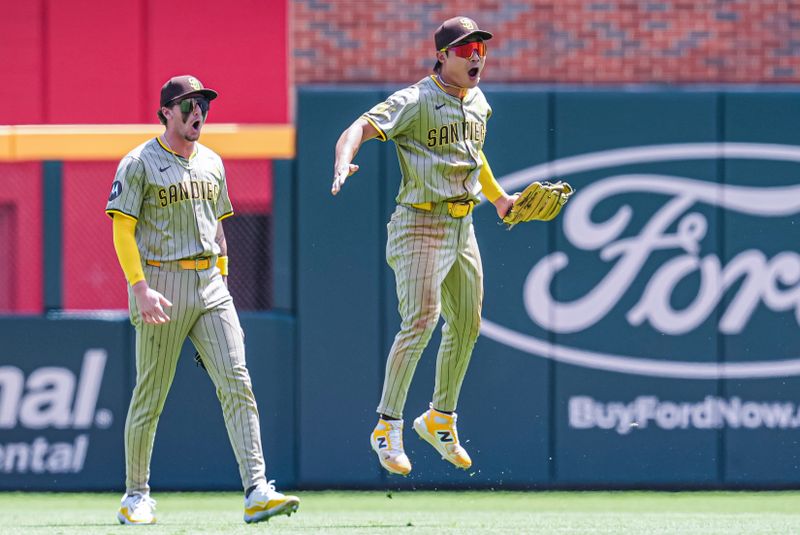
[[565, 41]]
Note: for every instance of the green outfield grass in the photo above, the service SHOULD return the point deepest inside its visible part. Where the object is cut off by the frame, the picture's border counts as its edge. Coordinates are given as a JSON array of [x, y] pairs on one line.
[[412, 512]]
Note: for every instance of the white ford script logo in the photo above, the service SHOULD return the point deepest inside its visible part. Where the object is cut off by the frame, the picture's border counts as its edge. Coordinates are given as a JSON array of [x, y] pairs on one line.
[[772, 282]]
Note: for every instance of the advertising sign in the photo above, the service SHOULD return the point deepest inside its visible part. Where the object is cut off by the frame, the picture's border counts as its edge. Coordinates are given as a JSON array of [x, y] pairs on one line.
[[661, 322], [62, 411], [648, 337]]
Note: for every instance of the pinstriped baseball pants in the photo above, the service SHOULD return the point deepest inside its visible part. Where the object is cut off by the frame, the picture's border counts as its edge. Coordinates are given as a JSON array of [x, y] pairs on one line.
[[203, 310], [438, 270]]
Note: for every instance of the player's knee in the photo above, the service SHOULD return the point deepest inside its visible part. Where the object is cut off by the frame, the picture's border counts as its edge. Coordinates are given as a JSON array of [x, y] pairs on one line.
[[424, 325], [414, 334]]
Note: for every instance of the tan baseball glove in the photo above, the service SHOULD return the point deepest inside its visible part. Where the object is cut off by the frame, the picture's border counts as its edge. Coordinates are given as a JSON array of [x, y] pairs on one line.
[[541, 201]]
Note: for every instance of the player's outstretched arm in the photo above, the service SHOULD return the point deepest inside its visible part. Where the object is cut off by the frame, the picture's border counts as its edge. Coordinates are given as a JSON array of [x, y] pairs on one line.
[[347, 148]]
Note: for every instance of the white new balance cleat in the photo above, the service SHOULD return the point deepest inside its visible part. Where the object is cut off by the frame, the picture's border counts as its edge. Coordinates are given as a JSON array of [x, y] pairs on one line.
[[265, 502], [137, 509], [439, 430], [387, 441]]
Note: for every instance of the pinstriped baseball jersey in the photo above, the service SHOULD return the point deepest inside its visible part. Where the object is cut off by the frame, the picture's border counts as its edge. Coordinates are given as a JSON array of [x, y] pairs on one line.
[[431, 247], [176, 202], [438, 138], [434, 256]]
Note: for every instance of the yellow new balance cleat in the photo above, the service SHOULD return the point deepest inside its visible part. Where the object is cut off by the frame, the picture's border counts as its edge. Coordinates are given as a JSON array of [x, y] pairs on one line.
[[137, 509], [439, 430], [387, 441], [265, 502]]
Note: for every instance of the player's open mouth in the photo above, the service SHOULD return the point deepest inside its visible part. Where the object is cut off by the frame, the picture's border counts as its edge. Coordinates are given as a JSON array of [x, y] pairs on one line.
[[196, 125], [473, 72]]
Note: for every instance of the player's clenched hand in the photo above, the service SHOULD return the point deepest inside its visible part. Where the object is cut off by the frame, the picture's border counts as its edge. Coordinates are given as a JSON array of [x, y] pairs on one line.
[[504, 203], [340, 174], [150, 303]]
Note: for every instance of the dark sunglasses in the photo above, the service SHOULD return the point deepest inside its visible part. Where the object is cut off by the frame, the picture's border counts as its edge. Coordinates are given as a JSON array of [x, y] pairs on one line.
[[467, 49], [187, 105]]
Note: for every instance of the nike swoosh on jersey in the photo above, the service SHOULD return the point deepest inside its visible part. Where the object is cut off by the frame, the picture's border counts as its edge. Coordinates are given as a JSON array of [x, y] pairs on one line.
[[439, 107], [162, 170]]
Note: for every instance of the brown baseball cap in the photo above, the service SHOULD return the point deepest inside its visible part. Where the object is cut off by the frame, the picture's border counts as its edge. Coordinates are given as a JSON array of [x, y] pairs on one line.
[[455, 30], [182, 86], [458, 29]]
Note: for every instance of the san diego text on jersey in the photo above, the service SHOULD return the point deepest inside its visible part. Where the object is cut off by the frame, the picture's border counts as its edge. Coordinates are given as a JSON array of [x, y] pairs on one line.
[[188, 189], [455, 132]]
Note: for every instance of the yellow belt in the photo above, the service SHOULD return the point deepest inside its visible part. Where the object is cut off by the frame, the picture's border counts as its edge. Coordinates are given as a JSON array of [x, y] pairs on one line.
[[456, 209], [196, 264]]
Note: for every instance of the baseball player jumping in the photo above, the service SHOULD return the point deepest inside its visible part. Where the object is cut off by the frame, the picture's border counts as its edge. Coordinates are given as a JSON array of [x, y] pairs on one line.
[[438, 126], [167, 203]]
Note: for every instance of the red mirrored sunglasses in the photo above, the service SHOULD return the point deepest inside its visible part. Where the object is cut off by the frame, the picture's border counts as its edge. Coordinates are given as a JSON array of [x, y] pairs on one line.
[[467, 49]]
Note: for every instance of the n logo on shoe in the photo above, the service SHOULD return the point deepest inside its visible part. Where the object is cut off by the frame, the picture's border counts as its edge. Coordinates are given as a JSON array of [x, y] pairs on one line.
[[444, 436], [382, 443]]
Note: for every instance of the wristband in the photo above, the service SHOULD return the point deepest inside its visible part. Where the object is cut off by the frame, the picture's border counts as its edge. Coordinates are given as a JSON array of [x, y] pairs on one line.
[[222, 264]]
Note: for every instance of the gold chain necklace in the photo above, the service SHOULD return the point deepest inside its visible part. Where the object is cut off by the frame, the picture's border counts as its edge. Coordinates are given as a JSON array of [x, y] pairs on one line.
[[188, 164]]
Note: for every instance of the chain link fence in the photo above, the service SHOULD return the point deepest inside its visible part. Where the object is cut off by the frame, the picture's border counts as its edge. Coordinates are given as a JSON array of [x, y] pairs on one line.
[[249, 240], [21, 237], [91, 278]]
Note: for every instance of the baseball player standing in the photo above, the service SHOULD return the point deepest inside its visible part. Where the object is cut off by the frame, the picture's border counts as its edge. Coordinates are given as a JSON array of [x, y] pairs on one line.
[[167, 203], [438, 126]]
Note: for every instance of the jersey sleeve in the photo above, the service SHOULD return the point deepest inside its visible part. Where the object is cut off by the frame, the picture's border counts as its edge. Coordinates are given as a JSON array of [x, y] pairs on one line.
[[224, 206], [393, 116], [127, 190]]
